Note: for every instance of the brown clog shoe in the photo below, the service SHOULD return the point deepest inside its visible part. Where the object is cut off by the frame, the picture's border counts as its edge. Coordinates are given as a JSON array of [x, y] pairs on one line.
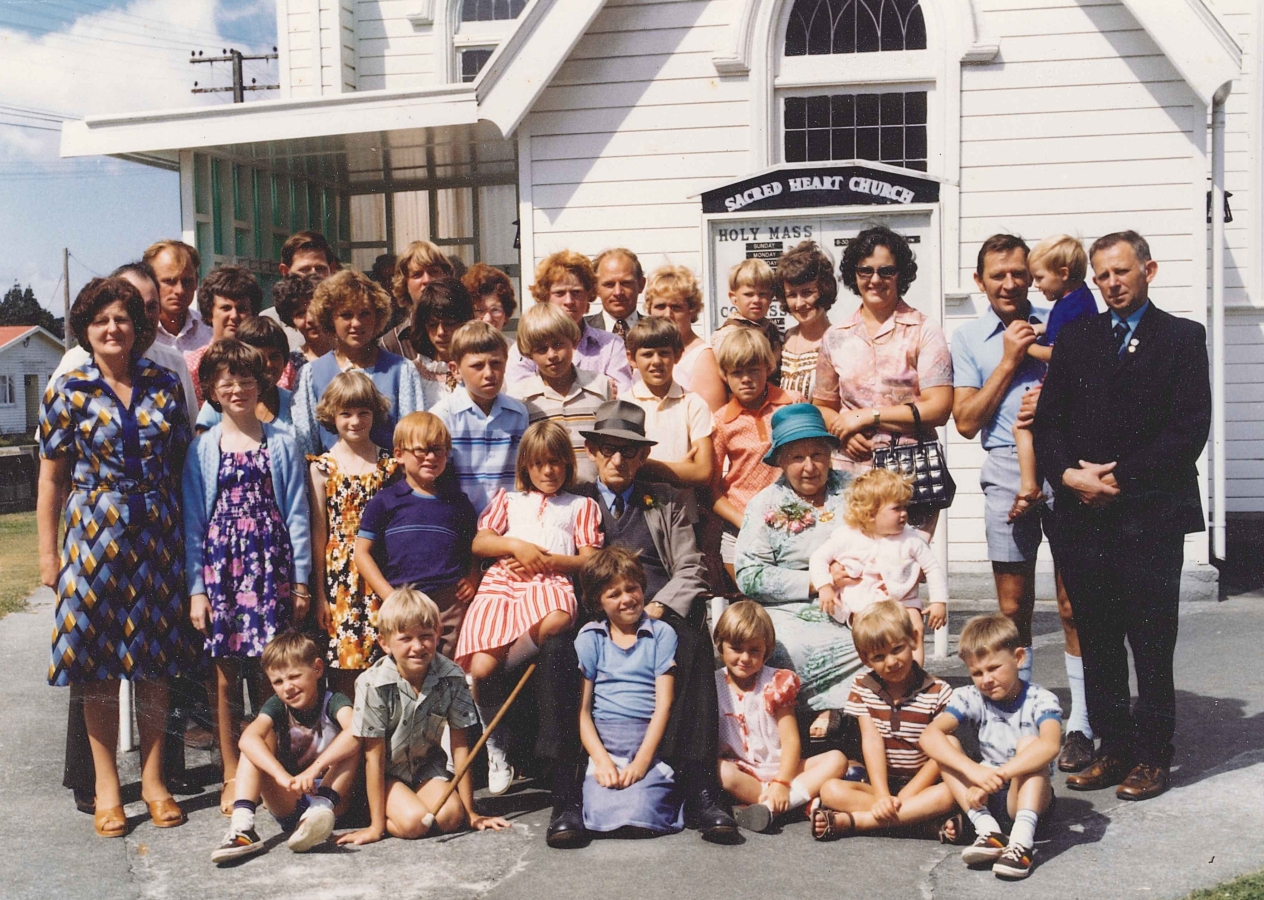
[[165, 813], [110, 823]]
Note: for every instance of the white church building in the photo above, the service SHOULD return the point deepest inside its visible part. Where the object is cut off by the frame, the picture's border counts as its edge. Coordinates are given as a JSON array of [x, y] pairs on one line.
[[700, 132]]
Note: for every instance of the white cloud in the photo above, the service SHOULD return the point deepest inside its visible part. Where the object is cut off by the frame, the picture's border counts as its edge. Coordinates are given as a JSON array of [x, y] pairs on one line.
[[131, 58]]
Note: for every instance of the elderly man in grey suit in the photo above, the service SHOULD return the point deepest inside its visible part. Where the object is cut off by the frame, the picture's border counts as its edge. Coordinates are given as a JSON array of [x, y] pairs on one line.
[[650, 519]]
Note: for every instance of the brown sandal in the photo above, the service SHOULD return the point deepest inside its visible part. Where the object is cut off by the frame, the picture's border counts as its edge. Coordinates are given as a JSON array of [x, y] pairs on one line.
[[165, 813], [110, 823], [823, 816], [1026, 503]]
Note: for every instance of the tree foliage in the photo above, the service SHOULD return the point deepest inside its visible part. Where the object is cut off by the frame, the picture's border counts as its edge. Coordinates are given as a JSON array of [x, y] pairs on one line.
[[19, 307]]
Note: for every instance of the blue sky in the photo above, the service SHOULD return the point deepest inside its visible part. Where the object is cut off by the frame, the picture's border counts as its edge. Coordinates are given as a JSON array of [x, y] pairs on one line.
[[81, 57]]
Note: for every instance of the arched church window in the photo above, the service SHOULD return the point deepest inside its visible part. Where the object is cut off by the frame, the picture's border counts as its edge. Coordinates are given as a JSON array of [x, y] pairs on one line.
[[822, 27]]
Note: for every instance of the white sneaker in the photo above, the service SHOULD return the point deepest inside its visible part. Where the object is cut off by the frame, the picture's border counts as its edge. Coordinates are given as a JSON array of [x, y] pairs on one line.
[[314, 827], [500, 774]]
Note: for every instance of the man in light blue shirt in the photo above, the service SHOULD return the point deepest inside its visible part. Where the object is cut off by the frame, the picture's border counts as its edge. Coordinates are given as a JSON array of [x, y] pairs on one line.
[[991, 372]]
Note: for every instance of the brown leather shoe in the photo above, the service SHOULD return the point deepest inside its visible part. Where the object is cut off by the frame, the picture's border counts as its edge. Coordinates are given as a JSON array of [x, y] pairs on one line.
[[1077, 752], [165, 813], [110, 823], [1102, 772], [1143, 782]]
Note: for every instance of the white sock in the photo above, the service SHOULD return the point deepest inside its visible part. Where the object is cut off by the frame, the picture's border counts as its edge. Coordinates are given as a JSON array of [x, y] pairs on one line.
[[315, 800], [1029, 660], [243, 819], [984, 822], [1077, 720], [523, 650], [1024, 831], [798, 794], [497, 742]]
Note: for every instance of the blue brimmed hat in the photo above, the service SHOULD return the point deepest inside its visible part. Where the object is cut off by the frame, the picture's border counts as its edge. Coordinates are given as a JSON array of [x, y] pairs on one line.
[[796, 422]]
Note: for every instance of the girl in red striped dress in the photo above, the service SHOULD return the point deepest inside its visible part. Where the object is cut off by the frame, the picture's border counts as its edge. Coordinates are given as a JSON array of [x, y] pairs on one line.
[[539, 535]]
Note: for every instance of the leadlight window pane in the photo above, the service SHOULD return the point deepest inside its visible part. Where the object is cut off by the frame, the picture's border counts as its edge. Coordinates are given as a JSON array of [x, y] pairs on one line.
[[889, 127], [822, 27], [472, 62], [490, 10]]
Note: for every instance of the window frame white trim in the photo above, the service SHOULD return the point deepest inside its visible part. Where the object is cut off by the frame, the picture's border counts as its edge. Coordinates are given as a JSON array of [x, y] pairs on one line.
[[933, 153], [9, 381]]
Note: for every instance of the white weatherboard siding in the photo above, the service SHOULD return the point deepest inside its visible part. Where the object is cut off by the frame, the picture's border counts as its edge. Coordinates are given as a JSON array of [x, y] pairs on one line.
[[38, 357], [635, 123], [1244, 415], [392, 52]]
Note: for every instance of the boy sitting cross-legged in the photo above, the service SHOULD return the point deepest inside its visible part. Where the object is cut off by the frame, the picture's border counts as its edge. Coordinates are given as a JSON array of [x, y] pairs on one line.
[[1020, 734], [402, 704], [299, 753], [893, 704]]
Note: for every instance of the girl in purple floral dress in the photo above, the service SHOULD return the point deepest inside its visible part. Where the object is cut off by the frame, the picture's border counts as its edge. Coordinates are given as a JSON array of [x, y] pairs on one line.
[[248, 547]]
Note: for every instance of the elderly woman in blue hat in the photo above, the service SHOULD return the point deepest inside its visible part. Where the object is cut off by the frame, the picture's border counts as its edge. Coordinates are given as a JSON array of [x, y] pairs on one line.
[[784, 524]]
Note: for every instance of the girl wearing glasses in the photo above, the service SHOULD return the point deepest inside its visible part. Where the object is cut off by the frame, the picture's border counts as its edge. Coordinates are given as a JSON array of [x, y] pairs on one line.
[[247, 538], [884, 356]]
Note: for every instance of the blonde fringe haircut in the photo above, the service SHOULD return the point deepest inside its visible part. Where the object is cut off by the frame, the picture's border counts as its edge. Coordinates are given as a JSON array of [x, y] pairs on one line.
[[543, 324], [406, 607], [477, 337], [351, 390], [987, 634], [421, 429], [879, 627], [751, 273], [545, 440], [419, 255], [287, 650], [743, 347], [674, 283], [1061, 251], [869, 493], [743, 622]]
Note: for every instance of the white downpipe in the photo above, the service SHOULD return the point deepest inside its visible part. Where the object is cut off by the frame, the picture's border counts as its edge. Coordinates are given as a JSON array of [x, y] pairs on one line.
[[1218, 320]]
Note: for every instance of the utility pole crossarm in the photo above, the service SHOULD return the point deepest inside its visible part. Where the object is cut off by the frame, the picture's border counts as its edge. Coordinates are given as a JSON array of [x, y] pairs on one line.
[[237, 58]]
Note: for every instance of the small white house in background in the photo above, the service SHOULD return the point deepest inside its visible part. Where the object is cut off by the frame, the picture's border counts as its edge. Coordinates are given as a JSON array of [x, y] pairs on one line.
[[28, 356], [701, 132]]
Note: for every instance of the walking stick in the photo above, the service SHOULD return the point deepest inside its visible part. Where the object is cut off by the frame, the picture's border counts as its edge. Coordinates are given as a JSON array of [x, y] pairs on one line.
[[428, 819]]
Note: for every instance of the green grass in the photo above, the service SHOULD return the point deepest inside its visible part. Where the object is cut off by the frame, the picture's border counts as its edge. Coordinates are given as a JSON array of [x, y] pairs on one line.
[[19, 560], [1248, 887]]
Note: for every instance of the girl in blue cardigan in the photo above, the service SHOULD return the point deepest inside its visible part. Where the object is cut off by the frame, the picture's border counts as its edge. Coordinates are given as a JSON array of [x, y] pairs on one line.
[[247, 538]]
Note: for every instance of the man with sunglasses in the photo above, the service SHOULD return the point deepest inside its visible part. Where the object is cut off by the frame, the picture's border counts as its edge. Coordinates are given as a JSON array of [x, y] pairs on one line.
[[650, 520], [992, 372]]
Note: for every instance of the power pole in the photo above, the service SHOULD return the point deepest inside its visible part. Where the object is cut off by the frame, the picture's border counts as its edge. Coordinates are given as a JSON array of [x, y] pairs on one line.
[[239, 87], [65, 281]]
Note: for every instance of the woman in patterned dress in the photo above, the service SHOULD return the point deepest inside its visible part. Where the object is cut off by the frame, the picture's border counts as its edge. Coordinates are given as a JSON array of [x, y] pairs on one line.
[[113, 435], [887, 355], [805, 285], [342, 483]]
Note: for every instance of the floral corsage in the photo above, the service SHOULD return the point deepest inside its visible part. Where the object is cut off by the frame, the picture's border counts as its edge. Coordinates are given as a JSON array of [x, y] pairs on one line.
[[792, 516]]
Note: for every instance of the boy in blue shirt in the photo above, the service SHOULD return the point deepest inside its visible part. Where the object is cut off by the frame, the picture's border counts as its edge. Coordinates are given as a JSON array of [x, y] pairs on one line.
[[1020, 734], [485, 425], [1058, 266], [418, 532]]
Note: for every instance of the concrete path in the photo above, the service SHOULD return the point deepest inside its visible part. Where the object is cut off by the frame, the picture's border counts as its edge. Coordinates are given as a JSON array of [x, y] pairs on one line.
[[1206, 829]]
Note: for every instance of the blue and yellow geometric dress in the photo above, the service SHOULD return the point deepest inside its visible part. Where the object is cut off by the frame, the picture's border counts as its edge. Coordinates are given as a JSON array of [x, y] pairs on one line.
[[121, 591]]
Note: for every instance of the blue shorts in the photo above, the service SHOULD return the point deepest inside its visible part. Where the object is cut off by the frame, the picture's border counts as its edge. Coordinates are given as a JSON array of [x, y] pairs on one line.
[[1010, 542], [290, 822], [998, 806]]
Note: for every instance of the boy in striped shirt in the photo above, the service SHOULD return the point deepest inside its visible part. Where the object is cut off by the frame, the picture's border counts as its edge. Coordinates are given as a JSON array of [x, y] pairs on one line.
[[485, 424], [893, 704]]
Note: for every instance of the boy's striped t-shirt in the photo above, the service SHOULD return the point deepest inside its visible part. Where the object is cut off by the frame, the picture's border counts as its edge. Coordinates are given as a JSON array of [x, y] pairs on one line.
[[900, 720], [484, 446]]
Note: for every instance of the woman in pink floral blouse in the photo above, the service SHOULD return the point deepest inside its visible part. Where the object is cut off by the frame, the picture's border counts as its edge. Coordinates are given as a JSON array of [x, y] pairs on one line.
[[885, 356]]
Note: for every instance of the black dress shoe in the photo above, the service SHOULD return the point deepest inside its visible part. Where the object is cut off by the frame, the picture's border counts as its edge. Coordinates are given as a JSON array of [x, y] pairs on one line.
[[1077, 752], [1103, 772], [713, 822], [85, 801], [1143, 782], [566, 829]]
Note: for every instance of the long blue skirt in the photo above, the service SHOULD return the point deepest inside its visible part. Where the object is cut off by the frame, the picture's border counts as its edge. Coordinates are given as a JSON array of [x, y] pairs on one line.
[[653, 803]]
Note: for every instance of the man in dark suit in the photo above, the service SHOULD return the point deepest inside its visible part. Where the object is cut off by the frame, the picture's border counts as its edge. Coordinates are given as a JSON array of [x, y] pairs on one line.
[[1121, 422], [651, 520]]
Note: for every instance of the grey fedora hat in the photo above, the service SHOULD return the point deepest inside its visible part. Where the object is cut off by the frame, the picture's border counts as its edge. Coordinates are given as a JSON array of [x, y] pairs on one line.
[[621, 420]]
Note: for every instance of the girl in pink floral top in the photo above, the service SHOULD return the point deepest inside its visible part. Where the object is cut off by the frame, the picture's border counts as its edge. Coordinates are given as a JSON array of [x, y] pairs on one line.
[[885, 356], [761, 763]]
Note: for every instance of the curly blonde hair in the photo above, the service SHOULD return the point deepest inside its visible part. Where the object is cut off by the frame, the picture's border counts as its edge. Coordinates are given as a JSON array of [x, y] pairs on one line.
[[674, 282], [872, 491], [344, 289]]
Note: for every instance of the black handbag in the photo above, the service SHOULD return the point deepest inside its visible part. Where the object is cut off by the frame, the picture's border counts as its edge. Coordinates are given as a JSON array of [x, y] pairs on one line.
[[923, 464]]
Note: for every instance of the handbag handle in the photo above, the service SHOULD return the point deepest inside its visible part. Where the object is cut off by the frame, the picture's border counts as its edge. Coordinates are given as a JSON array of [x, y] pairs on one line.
[[917, 424]]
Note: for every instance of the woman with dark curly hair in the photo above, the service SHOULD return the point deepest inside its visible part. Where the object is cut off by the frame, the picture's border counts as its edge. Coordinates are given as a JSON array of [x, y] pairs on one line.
[[113, 435], [291, 297], [804, 283], [886, 355], [492, 293]]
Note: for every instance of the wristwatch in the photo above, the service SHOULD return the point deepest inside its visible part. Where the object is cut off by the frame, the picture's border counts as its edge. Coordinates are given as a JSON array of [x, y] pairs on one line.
[[877, 417]]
